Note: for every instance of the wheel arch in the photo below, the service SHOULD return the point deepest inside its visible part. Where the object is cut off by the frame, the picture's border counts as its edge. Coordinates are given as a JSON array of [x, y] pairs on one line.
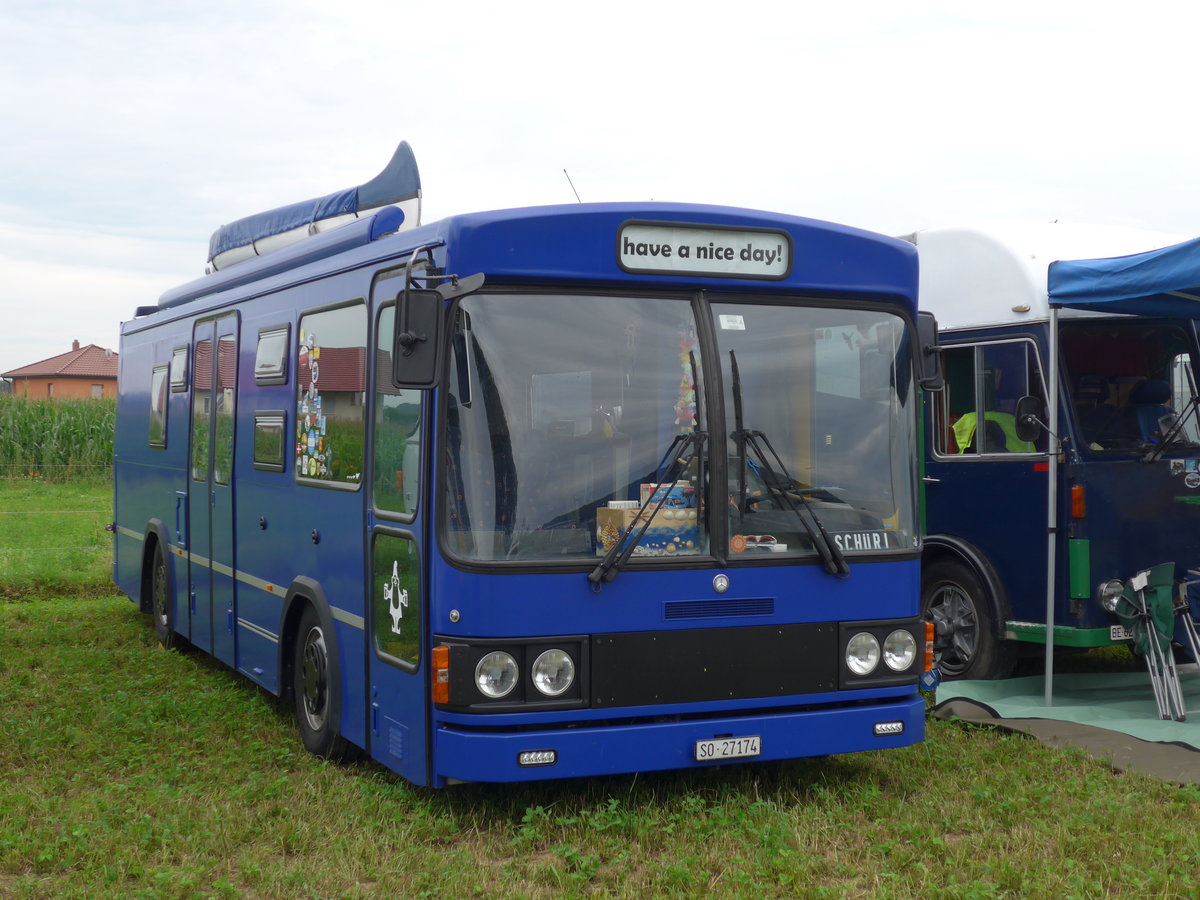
[[943, 547], [304, 592]]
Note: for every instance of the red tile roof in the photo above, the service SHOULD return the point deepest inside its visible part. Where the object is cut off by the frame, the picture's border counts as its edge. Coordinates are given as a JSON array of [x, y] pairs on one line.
[[86, 362]]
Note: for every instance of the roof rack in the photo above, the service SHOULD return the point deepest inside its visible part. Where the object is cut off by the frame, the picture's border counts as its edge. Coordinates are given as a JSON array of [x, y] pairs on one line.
[[398, 184]]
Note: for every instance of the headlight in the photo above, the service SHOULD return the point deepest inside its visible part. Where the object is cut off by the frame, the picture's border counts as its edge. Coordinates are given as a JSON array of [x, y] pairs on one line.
[[496, 674], [862, 653], [899, 650], [553, 672], [1110, 594]]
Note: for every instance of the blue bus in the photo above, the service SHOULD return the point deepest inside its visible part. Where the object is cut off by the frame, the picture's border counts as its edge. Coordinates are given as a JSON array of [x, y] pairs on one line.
[[537, 493], [1063, 454]]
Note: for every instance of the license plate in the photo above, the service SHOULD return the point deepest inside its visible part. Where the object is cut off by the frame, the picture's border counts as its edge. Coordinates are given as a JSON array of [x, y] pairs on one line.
[[1119, 633], [728, 748]]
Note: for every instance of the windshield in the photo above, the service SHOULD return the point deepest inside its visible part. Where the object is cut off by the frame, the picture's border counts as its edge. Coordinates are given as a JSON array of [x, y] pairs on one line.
[[820, 412], [1130, 381], [562, 408]]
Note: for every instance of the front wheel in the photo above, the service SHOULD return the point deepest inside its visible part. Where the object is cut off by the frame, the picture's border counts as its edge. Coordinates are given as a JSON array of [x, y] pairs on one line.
[[315, 686], [965, 641]]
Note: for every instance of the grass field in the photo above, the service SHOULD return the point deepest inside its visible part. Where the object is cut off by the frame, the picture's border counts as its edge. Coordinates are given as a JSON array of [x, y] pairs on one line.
[[52, 538], [127, 770]]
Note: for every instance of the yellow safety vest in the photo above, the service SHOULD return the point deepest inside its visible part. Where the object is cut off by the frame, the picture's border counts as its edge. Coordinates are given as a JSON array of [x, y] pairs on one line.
[[964, 430]]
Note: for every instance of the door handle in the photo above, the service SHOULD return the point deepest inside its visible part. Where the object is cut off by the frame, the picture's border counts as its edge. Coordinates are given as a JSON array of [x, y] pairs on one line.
[[929, 479]]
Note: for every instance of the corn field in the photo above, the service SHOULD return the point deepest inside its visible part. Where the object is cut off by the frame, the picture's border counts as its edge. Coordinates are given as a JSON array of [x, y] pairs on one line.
[[58, 440]]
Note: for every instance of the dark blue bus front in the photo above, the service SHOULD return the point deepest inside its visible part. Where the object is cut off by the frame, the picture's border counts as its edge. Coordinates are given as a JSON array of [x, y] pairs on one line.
[[672, 518]]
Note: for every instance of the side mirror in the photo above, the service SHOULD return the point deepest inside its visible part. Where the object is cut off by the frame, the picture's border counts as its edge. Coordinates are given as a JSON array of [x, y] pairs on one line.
[[420, 317], [417, 339], [929, 366], [1030, 417]]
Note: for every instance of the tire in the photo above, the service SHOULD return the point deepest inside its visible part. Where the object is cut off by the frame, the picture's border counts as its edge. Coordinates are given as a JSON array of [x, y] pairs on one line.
[[965, 642], [161, 605], [316, 687]]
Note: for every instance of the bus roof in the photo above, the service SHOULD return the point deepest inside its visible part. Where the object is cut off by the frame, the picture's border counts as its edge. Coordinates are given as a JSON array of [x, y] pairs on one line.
[[578, 243], [997, 275]]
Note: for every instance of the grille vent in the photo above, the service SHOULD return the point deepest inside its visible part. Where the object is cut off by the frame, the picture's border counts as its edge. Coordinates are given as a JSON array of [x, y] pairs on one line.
[[711, 609]]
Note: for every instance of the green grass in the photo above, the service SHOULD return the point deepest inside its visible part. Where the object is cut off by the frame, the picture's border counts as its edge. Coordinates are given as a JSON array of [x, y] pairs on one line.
[[52, 538], [127, 770], [134, 771]]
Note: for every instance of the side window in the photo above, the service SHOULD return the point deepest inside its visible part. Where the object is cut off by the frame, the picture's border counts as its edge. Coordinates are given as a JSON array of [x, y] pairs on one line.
[[330, 394], [271, 357], [983, 384], [396, 595], [269, 433], [179, 372], [201, 409], [397, 431], [158, 406], [224, 399]]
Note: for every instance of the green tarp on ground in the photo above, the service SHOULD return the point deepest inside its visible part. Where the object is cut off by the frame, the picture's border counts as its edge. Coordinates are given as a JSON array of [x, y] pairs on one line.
[[1110, 715]]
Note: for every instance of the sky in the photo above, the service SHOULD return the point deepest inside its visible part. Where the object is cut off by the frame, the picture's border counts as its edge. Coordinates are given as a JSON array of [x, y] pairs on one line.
[[131, 129]]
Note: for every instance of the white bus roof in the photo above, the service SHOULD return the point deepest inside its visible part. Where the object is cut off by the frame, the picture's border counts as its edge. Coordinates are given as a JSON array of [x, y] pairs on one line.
[[996, 275]]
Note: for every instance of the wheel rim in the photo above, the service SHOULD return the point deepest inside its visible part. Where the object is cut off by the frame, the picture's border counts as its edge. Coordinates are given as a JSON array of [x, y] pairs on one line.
[[956, 623], [161, 615], [315, 679]]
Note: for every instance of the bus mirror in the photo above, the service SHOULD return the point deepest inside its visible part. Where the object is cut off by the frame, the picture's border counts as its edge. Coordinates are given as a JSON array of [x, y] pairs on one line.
[[929, 365], [417, 339], [1030, 416]]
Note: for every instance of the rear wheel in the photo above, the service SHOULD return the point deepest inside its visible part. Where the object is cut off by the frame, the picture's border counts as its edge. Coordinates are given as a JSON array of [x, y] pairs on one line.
[[161, 607], [965, 641], [316, 687]]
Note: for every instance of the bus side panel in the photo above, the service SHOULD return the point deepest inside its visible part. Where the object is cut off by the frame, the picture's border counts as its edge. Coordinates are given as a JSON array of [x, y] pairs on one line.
[[146, 478]]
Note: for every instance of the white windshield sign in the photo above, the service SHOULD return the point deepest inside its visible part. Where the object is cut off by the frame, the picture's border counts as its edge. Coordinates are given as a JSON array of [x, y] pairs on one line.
[[696, 250]]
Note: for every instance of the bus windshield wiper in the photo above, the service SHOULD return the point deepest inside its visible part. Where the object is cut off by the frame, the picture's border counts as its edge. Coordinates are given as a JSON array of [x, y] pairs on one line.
[[779, 482], [684, 448], [1173, 433]]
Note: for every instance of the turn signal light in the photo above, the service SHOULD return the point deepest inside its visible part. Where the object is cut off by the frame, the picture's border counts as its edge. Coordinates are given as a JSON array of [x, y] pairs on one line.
[[1078, 506], [930, 634], [440, 667]]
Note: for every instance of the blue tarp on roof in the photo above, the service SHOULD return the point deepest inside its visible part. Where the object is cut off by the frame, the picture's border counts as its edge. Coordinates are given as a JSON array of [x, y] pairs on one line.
[[398, 181], [1162, 282]]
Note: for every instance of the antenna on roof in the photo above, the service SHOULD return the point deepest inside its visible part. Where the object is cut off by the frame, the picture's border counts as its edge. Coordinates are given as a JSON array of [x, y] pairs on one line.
[[572, 184]]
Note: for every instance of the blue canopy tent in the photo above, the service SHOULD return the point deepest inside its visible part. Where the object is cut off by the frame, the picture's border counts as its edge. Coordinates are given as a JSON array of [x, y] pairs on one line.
[[1163, 282]]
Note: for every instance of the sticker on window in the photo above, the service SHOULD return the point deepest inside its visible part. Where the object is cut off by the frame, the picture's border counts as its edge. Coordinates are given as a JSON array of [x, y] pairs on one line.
[[732, 323]]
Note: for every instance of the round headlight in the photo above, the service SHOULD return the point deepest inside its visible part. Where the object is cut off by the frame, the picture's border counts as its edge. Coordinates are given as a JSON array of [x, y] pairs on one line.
[[899, 650], [862, 653], [1110, 594], [553, 672], [496, 674]]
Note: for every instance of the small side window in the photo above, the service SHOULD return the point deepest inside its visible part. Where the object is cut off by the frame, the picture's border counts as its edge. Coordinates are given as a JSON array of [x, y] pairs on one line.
[[158, 406], [271, 359], [270, 426], [179, 370], [983, 383]]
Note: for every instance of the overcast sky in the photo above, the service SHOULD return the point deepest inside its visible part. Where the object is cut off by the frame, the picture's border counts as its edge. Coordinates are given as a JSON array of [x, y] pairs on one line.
[[131, 129]]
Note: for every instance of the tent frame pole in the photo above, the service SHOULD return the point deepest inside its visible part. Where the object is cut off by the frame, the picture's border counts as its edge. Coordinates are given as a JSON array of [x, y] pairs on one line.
[[1054, 446]]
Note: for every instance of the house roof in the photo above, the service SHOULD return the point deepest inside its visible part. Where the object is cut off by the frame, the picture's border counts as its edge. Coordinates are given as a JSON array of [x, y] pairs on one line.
[[91, 361]]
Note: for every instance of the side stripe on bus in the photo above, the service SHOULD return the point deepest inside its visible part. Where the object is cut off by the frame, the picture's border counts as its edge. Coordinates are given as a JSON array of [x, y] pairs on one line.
[[344, 616]]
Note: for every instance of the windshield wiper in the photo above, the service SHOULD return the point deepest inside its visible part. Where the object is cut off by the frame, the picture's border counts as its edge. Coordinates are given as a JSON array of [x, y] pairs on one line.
[[1172, 435], [684, 448], [779, 483]]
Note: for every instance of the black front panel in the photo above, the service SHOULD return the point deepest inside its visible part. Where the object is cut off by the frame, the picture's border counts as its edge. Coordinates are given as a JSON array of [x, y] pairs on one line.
[[713, 664]]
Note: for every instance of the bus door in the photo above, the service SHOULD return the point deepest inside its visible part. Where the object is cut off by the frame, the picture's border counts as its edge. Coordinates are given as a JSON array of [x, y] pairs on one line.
[[210, 487], [984, 484], [398, 644]]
